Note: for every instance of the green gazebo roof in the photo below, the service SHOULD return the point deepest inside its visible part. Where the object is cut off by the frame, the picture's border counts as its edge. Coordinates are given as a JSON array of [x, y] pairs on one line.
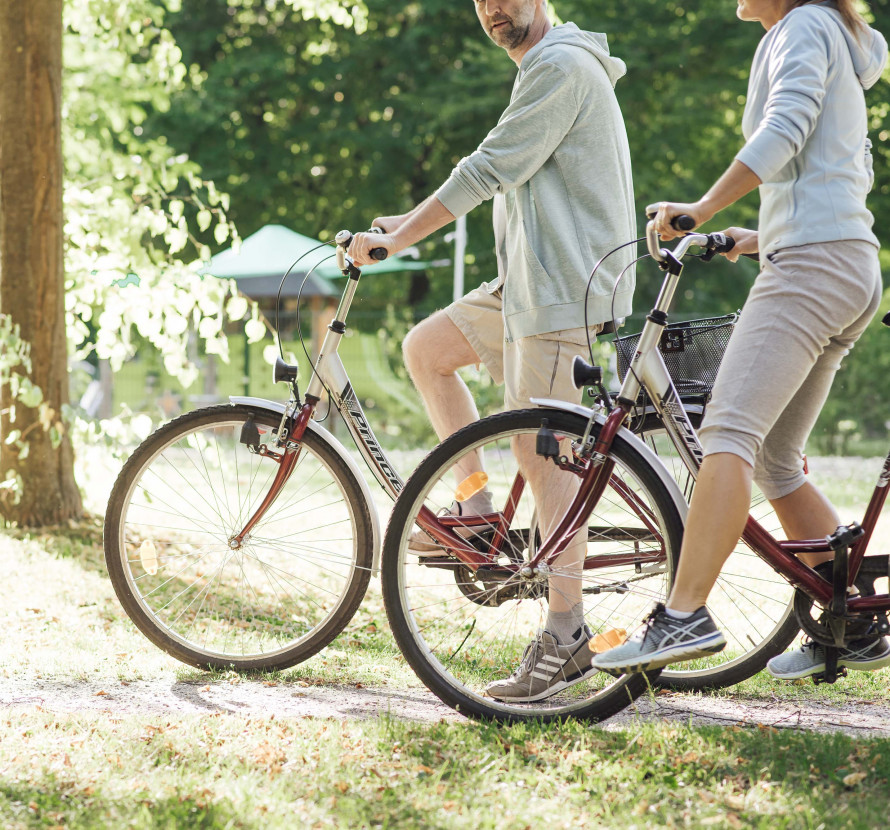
[[265, 256]]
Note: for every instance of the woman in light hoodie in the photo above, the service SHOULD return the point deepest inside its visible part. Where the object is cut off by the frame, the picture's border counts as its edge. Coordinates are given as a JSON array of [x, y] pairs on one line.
[[819, 286]]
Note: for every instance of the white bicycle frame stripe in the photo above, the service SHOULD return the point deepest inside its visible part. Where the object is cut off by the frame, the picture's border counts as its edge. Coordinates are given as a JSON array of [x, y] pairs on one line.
[[648, 367]]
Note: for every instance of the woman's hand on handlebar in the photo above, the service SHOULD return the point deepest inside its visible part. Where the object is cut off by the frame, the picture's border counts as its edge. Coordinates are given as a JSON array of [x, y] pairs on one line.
[[363, 243], [745, 243], [667, 211]]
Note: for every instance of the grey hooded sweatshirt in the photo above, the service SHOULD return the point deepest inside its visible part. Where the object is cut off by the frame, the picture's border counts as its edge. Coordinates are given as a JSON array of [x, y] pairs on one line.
[[560, 157], [805, 125]]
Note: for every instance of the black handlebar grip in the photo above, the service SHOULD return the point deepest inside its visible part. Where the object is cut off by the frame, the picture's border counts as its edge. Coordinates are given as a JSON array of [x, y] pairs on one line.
[[683, 222], [378, 253], [723, 243]]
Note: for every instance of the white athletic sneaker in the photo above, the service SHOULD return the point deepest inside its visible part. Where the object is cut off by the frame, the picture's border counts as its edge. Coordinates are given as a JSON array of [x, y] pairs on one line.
[[664, 640], [863, 655]]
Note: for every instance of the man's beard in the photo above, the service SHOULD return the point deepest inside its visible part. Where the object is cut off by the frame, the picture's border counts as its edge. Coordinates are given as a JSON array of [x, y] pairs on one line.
[[509, 36]]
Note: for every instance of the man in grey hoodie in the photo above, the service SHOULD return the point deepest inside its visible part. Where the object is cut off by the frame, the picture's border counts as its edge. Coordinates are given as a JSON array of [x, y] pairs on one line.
[[557, 165]]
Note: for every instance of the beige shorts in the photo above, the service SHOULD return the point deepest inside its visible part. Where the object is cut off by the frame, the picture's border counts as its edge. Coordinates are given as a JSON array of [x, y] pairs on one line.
[[531, 367]]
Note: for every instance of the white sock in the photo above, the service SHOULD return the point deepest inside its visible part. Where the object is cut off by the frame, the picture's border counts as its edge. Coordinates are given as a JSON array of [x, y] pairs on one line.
[[678, 615], [478, 504], [564, 624]]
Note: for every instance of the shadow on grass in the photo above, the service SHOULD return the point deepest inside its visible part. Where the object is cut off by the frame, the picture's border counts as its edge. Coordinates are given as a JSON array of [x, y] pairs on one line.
[[769, 778], [50, 802], [80, 541]]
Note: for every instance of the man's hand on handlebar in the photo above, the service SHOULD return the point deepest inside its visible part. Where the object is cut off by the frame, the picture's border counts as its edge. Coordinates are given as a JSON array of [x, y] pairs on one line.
[[390, 224], [745, 243], [665, 212], [363, 243]]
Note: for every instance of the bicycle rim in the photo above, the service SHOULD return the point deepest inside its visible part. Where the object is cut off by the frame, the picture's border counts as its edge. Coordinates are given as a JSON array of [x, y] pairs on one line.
[[270, 602], [460, 631]]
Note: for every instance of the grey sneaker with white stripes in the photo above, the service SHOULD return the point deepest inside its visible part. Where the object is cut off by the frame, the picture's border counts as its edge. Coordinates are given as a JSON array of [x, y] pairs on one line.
[[547, 667], [868, 654], [664, 640]]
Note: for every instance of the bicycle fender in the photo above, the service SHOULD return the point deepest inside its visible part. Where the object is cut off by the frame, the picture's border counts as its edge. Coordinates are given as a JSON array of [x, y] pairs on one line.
[[278, 408], [642, 448]]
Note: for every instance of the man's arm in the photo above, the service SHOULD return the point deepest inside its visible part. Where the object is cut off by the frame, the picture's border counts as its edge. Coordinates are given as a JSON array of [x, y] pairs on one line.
[[426, 218], [527, 134]]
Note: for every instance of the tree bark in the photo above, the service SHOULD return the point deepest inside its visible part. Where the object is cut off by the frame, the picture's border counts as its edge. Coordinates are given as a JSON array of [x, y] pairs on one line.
[[32, 289]]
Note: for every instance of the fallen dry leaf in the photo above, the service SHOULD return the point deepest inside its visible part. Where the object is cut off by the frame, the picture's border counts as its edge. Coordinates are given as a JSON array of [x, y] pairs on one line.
[[854, 778], [735, 802]]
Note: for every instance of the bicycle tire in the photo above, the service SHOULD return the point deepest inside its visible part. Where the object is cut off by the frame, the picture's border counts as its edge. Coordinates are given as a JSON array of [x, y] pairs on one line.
[[751, 603], [274, 602], [457, 634]]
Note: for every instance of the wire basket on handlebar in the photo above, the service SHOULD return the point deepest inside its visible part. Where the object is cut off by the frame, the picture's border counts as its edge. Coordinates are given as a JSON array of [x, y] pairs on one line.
[[692, 351]]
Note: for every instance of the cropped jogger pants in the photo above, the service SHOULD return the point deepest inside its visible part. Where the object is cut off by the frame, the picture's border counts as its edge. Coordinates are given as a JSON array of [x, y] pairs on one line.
[[807, 308]]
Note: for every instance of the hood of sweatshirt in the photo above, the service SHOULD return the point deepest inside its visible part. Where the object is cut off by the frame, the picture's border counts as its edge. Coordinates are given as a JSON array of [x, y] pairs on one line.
[[593, 42], [868, 48]]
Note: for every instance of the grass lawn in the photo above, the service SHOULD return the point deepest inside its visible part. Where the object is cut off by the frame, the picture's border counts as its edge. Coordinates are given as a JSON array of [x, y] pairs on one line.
[[107, 766]]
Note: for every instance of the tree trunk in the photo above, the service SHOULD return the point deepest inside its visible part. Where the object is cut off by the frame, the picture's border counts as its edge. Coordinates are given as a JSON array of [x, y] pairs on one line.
[[32, 291]]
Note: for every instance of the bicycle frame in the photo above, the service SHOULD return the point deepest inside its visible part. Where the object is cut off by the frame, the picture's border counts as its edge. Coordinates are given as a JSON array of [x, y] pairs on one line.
[[647, 372]]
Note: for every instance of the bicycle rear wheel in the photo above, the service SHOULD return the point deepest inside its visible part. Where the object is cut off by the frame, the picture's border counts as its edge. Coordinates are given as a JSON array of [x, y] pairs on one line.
[[751, 604], [460, 630], [269, 603]]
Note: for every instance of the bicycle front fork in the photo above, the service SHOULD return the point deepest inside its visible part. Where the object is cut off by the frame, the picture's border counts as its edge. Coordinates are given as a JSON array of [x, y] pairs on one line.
[[289, 439]]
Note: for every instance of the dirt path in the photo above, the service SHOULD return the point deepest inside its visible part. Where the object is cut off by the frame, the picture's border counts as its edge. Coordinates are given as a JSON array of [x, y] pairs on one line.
[[295, 700]]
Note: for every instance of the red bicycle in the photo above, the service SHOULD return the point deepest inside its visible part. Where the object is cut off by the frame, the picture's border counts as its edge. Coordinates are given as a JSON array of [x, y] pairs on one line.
[[463, 618]]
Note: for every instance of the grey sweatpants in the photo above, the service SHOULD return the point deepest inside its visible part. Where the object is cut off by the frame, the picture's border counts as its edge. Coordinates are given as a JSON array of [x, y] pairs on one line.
[[805, 311]]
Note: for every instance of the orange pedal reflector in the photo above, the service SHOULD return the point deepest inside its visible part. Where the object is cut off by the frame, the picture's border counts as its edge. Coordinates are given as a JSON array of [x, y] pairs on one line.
[[609, 639], [148, 555], [471, 485]]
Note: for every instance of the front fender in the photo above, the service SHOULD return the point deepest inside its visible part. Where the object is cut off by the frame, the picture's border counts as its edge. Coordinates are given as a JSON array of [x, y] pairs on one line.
[[341, 451], [642, 448]]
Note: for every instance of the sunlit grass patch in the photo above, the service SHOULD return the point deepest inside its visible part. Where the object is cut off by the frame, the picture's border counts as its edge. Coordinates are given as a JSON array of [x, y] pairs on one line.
[[231, 771]]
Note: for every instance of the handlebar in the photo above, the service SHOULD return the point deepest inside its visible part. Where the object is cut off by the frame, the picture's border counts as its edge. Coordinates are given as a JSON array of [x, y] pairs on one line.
[[713, 243], [344, 238]]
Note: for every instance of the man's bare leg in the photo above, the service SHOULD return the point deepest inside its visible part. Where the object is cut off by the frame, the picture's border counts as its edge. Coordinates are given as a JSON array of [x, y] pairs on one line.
[[434, 350], [553, 491]]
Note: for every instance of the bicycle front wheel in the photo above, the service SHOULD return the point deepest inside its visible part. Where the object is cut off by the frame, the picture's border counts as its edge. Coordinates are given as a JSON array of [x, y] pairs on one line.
[[269, 602], [461, 630]]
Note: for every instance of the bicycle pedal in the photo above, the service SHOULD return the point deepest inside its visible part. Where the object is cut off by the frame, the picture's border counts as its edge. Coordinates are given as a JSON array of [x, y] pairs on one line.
[[824, 677]]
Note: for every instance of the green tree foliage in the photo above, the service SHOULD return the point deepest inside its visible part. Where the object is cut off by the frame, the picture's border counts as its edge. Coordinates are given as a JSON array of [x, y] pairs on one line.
[[325, 128]]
